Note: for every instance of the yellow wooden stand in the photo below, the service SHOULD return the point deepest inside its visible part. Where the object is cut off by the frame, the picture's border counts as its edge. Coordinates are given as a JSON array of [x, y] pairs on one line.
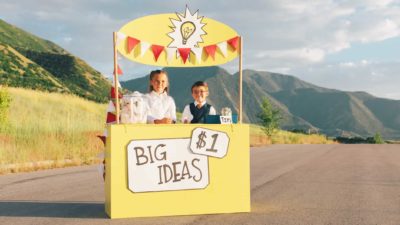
[[229, 177]]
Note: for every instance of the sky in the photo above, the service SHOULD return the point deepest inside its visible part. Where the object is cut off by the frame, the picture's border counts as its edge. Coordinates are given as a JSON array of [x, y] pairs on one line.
[[346, 45]]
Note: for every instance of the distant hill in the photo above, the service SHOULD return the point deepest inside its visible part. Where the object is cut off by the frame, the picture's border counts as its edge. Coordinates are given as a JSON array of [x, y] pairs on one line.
[[303, 105], [31, 62]]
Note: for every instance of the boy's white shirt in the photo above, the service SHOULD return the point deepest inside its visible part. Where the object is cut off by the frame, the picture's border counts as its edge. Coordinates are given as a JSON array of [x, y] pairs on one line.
[[160, 106], [186, 115]]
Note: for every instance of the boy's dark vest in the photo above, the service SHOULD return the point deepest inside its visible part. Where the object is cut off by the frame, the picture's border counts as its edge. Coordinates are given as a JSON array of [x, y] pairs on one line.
[[199, 115]]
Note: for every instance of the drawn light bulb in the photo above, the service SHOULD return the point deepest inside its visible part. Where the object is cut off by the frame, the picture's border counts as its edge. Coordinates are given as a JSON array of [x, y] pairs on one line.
[[187, 29]]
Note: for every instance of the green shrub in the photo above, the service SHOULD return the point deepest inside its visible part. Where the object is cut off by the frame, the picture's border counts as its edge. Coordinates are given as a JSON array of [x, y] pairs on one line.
[[378, 139]]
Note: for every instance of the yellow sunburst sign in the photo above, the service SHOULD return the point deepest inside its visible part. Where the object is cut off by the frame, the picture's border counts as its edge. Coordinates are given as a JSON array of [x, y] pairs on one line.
[[178, 40]]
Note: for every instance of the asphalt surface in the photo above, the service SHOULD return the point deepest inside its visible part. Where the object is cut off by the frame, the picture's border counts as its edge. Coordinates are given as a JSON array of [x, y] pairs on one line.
[[290, 184]]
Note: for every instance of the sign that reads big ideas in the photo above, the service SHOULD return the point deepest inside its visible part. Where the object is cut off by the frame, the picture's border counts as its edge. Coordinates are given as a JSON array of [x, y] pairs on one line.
[[165, 165]]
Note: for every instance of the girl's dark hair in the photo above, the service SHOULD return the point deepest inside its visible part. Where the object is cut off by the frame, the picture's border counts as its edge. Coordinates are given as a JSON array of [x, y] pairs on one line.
[[156, 72]]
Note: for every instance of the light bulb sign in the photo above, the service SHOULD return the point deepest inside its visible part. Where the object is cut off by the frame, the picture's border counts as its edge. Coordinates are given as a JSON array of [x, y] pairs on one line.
[[177, 40]]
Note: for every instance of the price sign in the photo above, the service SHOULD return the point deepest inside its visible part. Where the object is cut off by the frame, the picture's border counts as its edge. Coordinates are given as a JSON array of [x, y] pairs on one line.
[[209, 142]]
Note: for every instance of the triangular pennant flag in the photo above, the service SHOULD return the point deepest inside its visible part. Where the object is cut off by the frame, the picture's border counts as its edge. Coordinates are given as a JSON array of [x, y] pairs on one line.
[[103, 139], [170, 54], [113, 93], [234, 42], [157, 49], [210, 50], [111, 107], [184, 52], [132, 42], [119, 71], [120, 37], [143, 48], [223, 47], [197, 52], [119, 56], [111, 118], [118, 84]]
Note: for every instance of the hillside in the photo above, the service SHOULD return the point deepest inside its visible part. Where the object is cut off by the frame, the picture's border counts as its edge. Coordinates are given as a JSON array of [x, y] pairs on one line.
[[303, 105], [31, 62]]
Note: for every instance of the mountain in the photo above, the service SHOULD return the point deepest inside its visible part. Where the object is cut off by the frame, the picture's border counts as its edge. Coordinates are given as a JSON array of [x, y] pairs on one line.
[[303, 105], [31, 62]]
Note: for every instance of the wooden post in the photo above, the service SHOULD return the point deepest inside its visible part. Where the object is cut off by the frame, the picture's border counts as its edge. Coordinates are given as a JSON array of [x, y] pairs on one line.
[[116, 76], [240, 80]]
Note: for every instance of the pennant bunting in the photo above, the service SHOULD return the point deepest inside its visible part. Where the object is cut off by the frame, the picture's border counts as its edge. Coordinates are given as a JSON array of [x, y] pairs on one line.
[[111, 107], [132, 42], [157, 49], [184, 53], [170, 54], [119, 71], [113, 93], [119, 56], [120, 37], [197, 52], [223, 48], [143, 48], [234, 42], [210, 50], [103, 139], [118, 84], [111, 118]]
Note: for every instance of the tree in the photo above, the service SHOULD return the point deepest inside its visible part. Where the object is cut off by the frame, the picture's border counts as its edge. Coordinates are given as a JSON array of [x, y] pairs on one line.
[[269, 117], [378, 139]]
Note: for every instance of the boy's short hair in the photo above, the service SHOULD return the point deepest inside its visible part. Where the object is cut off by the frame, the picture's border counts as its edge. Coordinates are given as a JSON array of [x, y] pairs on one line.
[[200, 84]]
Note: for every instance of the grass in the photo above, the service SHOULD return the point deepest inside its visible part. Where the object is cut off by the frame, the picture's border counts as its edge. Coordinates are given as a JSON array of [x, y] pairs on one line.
[[47, 130], [49, 126], [258, 138]]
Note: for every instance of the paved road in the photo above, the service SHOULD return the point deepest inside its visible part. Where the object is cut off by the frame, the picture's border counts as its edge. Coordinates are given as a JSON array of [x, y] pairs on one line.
[[291, 184]]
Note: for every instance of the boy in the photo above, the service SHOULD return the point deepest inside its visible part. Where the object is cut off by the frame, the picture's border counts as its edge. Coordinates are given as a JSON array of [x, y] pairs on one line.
[[197, 111]]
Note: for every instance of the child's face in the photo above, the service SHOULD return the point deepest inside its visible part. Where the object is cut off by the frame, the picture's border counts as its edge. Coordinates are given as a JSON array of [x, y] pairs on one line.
[[199, 93], [159, 82]]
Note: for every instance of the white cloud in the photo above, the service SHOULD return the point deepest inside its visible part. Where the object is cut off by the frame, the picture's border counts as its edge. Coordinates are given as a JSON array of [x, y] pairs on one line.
[[282, 36]]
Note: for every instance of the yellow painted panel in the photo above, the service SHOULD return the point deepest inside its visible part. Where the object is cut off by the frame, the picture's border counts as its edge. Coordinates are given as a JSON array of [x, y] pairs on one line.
[[228, 190], [154, 29]]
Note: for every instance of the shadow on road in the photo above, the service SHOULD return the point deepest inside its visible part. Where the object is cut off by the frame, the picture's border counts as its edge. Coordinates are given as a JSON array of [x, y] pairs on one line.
[[52, 209]]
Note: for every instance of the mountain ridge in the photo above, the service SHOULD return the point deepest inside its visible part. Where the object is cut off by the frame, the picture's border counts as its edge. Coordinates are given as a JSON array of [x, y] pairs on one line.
[[32, 62], [303, 105]]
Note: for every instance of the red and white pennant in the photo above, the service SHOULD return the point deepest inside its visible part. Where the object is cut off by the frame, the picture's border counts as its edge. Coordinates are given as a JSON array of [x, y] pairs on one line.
[[184, 53]]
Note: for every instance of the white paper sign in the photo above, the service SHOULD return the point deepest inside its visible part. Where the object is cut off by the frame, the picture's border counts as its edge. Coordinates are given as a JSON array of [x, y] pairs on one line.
[[165, 165], [225, 119], [209, 142]]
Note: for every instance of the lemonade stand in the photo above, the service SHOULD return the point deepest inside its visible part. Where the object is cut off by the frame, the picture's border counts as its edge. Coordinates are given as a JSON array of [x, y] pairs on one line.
[[177, 169]]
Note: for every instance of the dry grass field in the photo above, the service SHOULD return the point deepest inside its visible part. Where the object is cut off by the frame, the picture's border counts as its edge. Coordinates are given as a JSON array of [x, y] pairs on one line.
[[47, 130]]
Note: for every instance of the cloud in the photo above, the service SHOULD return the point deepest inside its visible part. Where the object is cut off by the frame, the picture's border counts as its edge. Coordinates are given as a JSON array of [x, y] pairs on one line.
[[286, 35]]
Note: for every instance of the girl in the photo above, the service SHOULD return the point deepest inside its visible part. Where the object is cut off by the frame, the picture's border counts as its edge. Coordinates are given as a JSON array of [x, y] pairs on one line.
[[162, 107]]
